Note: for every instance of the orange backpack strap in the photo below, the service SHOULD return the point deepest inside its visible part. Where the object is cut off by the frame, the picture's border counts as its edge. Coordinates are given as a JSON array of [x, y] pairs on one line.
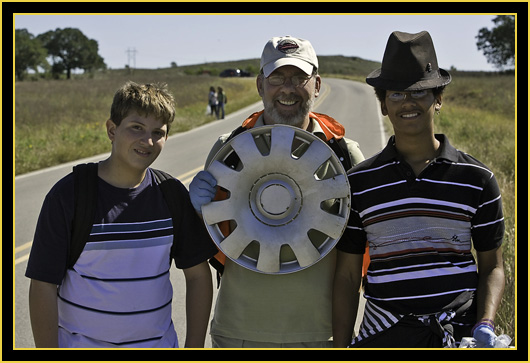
[[366, 259], [252, 119], [218, 260], [331, 127]]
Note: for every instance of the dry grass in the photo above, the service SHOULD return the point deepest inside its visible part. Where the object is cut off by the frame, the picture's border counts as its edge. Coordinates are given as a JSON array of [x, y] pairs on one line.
[[58, 121]]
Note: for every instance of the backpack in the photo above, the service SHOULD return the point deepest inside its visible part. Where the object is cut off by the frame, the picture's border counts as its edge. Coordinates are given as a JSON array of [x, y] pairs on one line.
[[85, 193]]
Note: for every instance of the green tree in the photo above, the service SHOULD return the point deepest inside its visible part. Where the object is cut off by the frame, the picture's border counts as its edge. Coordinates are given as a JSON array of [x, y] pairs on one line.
[[29, 53], [93, 61], [69, 49], [498, 44]]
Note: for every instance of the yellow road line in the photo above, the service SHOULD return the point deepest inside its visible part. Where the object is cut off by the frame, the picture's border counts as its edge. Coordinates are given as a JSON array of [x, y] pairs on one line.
[[21, 259], [23, 247]]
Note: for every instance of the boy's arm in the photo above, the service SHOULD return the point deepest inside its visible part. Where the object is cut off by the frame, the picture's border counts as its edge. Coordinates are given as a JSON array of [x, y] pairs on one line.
[[490, 283], [346, 285], [199, 295], [43, 313]]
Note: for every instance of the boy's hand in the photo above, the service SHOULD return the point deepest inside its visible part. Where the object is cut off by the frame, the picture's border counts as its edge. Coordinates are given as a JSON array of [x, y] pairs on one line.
[[202, 189], [484, 337]]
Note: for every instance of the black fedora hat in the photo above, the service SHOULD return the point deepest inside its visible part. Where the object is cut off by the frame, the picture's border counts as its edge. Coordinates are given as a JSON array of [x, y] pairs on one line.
[[409, 64]]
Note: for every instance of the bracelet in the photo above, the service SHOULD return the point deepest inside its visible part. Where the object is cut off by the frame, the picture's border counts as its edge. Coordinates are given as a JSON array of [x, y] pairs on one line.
[[488, 320], [484, 322]]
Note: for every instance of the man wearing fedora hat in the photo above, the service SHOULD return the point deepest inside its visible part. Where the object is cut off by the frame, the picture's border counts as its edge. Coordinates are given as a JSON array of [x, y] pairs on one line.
[[422, 205], [255, 310]]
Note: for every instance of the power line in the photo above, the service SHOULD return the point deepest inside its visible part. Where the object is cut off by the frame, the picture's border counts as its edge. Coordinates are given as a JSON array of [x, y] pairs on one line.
[[131, 54]]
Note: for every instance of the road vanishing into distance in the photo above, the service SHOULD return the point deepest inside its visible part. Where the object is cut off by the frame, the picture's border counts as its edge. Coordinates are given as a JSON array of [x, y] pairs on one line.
[[351, 103]]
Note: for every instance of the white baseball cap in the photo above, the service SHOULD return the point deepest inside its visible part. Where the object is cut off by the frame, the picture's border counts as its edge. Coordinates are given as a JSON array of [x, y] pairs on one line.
[[287, 50]]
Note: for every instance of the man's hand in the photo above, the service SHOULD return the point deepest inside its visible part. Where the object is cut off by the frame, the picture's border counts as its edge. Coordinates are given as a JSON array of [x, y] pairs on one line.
[[484, 336], [202, 189]]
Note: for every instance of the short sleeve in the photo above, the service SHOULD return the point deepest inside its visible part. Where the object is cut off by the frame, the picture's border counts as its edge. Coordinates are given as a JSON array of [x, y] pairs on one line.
[[193, 242], [49, 250]]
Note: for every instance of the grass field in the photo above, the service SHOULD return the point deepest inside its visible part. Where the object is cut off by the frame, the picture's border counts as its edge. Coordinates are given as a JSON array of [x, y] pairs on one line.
[[478, 115], [60, 121]]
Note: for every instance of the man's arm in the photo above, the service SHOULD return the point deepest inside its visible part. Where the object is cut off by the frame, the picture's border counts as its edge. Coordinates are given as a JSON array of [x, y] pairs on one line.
[[346, 285], [490, 283], [199, 295], [43, 314]]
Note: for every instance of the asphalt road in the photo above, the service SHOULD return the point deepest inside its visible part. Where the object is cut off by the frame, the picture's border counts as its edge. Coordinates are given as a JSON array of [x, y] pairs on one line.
[[352, 103]]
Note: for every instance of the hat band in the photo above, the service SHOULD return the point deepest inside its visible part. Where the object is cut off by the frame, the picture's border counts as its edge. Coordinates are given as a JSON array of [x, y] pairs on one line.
[[397, 76]]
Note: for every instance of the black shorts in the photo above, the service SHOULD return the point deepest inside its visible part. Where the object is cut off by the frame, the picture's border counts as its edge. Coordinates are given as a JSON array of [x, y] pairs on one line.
[[410, 332]]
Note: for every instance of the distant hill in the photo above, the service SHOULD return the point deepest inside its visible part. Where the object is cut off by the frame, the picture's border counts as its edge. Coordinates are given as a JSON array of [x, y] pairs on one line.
[[329, 65], [352, 66]]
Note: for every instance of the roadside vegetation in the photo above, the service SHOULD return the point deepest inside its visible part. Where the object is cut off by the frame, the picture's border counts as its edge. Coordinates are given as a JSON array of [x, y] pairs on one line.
[[478, 115], [57, 121]]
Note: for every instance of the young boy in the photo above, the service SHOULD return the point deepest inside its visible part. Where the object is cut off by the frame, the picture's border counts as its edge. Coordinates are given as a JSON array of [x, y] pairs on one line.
[[118, 293]]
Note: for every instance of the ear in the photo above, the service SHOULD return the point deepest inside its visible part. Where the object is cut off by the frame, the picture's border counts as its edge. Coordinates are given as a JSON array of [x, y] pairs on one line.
[[384, 110], [438, 105], [111, 130], [259, 84], [318, 83]]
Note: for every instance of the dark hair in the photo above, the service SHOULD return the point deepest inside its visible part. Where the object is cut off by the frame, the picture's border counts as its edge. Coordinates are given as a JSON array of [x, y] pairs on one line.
[[381, 93]]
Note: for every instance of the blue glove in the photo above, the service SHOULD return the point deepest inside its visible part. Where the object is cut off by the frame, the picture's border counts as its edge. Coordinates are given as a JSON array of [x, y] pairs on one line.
[[484, 336], [202, 189]]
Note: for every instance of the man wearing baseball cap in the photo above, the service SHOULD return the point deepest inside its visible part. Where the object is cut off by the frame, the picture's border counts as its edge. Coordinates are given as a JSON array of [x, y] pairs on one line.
[[422, 205], [255, 310]]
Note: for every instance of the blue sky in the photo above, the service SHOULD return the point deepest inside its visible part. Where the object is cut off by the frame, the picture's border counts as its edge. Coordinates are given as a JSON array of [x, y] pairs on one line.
[[159, 40]]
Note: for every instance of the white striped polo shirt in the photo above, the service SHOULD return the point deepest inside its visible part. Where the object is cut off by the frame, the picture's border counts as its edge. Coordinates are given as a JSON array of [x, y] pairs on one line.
[[421, 229]]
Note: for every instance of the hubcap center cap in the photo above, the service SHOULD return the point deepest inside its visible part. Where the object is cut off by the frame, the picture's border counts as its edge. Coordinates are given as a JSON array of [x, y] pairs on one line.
[[275, 199]]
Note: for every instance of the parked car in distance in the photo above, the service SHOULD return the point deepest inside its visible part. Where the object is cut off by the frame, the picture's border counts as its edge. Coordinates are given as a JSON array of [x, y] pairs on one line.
[[234, 73]]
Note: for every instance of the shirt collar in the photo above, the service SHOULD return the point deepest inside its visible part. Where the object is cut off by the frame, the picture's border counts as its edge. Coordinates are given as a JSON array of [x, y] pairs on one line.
[[448, 152]]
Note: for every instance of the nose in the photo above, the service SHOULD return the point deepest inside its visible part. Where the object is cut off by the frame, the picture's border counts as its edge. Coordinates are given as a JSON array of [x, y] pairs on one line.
[[288, 84], [147, 139], [408, 100]]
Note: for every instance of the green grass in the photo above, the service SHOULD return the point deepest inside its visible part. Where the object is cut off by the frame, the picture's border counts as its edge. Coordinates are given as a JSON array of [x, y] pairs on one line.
[[478, 116], [58, 121]]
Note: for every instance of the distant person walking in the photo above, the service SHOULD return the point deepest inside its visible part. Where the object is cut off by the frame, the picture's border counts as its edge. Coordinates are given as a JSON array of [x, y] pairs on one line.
[[222, 100], [213, 102]]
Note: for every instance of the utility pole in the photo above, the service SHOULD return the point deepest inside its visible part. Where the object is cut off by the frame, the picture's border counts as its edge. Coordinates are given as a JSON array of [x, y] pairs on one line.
[[131, 55]]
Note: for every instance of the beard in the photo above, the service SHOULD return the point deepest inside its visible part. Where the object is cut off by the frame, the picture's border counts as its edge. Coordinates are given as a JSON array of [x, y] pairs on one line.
[[293, 119]]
